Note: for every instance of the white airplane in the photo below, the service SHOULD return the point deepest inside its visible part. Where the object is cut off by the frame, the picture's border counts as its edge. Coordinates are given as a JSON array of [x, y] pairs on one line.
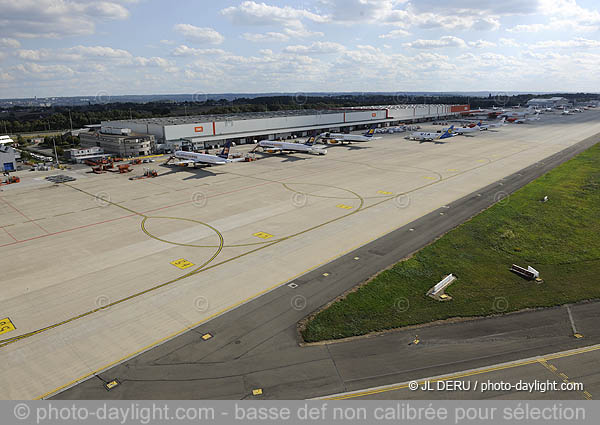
[[195, 158], [341, 137], [577, 110], [463, 130], [491, 125], [526, 120], [278, 146], [566, 112], [424, 136]]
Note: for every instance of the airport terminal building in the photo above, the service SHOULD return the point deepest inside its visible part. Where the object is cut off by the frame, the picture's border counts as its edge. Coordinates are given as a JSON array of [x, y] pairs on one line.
[[205, 131], [552, 102]]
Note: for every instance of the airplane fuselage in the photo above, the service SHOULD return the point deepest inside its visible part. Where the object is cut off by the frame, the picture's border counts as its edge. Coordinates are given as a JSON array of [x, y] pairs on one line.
[[292, 147]]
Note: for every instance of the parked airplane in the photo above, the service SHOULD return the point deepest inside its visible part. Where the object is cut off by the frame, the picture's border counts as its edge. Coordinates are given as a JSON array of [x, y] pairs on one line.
[[279, 146], [430, 137], [195, 158], [491, 125], [566, 112], [526, 120], [463, 130], [341, 137]]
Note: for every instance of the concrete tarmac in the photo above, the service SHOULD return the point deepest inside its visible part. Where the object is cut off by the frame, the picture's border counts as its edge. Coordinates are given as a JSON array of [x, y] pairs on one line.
[[109, 281]]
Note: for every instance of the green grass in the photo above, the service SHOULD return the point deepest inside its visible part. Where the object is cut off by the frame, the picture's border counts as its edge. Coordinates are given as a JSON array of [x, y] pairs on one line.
[[560, 238]]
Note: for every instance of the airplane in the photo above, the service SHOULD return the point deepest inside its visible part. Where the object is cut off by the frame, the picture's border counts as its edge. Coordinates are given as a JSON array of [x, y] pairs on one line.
[[526, 120], [195, 158], [577, 110], [566, 112], [430, 137], [491, 125], [341, 137], [463, 130], [279, 146]]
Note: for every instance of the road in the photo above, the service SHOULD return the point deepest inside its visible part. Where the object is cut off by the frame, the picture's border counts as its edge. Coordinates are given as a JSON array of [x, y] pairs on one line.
[[256, 346]]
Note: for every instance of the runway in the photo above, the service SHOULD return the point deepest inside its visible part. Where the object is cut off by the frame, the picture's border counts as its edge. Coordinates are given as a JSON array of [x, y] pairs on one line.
[[254, 228]]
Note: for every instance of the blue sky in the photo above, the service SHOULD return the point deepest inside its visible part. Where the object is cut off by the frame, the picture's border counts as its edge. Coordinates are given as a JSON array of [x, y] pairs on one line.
[[112, 47]]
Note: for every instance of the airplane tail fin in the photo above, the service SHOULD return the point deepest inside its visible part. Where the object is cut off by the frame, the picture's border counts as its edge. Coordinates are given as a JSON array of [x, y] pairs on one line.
[[312, 139], [448, 133], [479, 124], [371, 131], [226, 149]]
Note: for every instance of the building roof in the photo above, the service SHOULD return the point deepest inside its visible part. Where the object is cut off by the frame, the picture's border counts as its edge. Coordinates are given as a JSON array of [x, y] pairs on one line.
[[546, 99], [193, 119]]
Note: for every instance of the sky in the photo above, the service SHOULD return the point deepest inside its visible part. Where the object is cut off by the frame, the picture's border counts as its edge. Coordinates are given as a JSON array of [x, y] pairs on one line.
[[116, 47]]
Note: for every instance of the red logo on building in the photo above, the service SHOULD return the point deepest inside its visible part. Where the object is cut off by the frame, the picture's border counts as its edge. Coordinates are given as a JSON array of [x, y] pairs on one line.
[[199, 129], [374, 114]]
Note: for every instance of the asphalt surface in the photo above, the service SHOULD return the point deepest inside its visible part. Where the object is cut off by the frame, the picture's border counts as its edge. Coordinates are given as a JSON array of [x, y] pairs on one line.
[[257, 346]]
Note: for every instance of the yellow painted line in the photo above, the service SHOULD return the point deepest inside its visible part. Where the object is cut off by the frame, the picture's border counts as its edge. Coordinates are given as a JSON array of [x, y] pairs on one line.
[[6, 326], [206, 337], [466, 374], [452, 169], [383, 192], [182, 264], [588, 395], [429, 178], [257, 391], [262, 235], [257, 295], [344, 207]]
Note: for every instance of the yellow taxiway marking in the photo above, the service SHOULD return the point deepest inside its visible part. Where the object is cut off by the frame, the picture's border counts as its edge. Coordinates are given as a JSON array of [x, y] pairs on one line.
[[429, 178], [452, 169], [383, 192], [587, 395], [239, 303], [257, 391], [262, 235], [481, 160], [207, 336], [6, 326], [344, 207], [325, 274], [182, 264], [542, 360]]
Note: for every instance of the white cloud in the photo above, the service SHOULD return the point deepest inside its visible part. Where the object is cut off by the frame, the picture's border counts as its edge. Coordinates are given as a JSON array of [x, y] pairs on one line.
[[267, 37], [9, 42], [508, 42], [199, 34], [528, 28], [73, 54], [184, 50], [261, 14], [567, 44], [317, 47], [153, 61], [397, 33], [445, 41], [481, 44], [45, 72], [56, 18]]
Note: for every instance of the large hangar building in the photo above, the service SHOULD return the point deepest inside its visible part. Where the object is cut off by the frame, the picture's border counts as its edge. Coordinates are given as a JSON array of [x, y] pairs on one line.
[[204, 131]]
